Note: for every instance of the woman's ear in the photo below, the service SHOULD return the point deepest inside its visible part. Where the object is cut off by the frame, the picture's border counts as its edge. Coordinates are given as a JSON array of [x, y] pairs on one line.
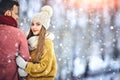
[[8, 13]]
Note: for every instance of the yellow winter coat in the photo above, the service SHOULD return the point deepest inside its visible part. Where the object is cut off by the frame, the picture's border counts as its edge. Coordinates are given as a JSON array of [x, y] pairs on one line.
[[47, 68]]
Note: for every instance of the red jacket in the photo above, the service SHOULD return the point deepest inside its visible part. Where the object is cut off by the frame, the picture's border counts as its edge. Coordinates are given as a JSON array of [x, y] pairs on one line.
[[12, 41]]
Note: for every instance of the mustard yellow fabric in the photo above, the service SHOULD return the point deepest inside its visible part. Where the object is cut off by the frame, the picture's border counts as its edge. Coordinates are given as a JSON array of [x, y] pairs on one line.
[[47, 68]]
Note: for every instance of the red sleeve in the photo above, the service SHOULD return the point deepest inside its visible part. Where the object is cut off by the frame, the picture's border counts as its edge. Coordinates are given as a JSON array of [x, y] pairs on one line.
[[24, 52]]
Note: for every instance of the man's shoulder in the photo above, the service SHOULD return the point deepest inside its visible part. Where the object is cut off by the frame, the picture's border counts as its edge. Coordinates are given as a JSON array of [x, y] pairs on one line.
[[16, 29], [12, 29]]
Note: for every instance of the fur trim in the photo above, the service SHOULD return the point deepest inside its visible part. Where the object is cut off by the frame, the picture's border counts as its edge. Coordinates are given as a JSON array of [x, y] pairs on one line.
[[49, 36]]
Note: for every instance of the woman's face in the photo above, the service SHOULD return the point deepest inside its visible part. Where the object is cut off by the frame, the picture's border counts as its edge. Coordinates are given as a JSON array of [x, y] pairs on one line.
[[35, 27]]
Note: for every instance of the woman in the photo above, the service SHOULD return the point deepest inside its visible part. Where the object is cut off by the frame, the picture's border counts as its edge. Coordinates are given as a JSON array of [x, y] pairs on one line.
[[42, 65]]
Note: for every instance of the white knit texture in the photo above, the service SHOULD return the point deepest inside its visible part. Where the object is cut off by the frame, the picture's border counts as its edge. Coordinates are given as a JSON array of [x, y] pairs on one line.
[[44, 16]]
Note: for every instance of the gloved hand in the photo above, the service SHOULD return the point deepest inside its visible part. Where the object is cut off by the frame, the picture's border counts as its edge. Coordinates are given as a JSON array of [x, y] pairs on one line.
[[21, 62], [22, 72]]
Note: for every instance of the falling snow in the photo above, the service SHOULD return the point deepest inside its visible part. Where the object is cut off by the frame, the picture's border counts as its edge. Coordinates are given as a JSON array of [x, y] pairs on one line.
[[87, 44]]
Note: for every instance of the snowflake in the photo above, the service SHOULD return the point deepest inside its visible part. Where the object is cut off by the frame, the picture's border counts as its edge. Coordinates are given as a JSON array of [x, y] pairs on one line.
[[111, 27]]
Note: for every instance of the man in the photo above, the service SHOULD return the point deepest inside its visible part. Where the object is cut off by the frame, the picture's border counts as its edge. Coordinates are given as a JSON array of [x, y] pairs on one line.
[[12, 40]]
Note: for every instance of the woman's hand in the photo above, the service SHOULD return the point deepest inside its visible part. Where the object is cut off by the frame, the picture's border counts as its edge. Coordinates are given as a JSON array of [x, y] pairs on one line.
[[22, 72], [21, 62]]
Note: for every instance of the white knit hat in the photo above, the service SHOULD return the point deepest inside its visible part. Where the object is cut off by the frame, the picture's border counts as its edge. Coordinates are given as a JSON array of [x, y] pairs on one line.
[[44, 16]]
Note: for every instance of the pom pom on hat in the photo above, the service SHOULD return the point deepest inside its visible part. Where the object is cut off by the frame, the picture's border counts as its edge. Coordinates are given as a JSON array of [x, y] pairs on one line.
[[44, 16], [47, 9]]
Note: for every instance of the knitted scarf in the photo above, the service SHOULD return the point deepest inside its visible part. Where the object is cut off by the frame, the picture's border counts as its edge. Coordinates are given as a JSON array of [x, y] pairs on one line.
[[8, 20]]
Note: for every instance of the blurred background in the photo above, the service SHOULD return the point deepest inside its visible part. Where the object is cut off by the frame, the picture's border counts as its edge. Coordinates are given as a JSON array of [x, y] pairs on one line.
[[87, 36]]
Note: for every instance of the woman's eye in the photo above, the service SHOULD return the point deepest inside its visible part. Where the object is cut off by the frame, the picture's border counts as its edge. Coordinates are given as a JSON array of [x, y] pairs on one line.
[[32, 24], [37, 24]]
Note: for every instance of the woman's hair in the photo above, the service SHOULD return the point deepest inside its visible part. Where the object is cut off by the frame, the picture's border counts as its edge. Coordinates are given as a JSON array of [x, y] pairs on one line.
[[41, 41], [7, 5]]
